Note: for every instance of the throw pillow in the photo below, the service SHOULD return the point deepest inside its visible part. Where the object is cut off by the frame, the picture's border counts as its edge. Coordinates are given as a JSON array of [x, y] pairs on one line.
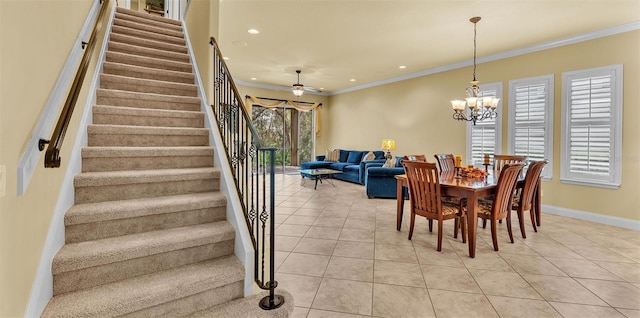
[[369, 156], [332, 155], [391, 162]]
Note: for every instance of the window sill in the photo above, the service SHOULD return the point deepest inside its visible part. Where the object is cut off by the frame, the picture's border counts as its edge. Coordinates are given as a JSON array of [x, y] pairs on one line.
[[595, 184]]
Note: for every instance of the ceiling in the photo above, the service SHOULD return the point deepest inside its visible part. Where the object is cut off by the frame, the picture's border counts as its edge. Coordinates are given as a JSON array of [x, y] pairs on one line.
[[335, 41]]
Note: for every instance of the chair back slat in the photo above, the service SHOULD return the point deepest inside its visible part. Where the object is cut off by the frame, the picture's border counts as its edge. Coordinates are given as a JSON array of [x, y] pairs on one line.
[[446, 162], [504, 189], [500, 160], [531, 181]]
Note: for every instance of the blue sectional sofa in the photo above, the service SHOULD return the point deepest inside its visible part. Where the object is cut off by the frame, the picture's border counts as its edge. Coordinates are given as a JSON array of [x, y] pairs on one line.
[[350, 163], [380, 182]]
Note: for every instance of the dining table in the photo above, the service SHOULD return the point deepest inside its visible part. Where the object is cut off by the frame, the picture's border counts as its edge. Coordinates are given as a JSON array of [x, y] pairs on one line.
[[472, 189]]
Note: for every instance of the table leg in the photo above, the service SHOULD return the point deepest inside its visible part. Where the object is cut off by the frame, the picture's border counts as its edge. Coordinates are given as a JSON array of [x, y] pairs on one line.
[[472, 222], [316, 185], [538, 202], [400, 204]]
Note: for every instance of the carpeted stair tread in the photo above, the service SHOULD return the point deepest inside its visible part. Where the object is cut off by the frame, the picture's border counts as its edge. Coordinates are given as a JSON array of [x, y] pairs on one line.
[[119, 29], [147, 291], [150, 62], [148, 28], [148, 101], [132, 116], [147, 16], [167, 23], [147, 52], [141, 130], [132, 152], [148, 73], [144, 42], [120, 248], [110, 178], [110, 81], [113, 210]]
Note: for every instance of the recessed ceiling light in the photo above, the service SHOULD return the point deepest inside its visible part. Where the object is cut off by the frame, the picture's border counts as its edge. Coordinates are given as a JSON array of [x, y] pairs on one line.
[[352, 80], [253, 31], [225, 58], [402, 66], [321, 88], [253, 78]]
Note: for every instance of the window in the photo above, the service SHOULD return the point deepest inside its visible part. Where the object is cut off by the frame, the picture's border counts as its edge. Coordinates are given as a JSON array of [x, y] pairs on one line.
[[531, 120], [486, 135], [592, 127]]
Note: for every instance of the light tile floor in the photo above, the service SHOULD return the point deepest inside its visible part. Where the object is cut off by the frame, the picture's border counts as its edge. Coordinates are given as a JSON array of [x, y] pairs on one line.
[[338, 253]]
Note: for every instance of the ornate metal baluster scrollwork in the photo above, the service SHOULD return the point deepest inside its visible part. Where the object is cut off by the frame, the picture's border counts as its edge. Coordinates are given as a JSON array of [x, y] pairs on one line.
[[248, 161]]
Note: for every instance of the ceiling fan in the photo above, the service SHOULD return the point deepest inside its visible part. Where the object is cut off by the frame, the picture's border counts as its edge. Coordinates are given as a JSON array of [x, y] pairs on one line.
[[299, 89]]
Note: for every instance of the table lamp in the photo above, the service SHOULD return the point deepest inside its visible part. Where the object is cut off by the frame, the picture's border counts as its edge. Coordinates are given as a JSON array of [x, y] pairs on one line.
[[388, 145]]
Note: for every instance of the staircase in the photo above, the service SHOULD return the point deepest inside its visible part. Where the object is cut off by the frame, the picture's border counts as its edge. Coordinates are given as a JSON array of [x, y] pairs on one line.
[[147, 235]]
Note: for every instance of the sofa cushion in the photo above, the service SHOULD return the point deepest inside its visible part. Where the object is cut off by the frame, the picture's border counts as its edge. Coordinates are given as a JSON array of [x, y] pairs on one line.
[[344, 155], [354, 156], [315, 164], [379, 154], [384, 172], [339, 165], [352, 168]]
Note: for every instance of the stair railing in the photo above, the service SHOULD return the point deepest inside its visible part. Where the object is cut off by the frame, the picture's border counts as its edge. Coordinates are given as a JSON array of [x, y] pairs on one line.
[[251, 164], [52, 155]]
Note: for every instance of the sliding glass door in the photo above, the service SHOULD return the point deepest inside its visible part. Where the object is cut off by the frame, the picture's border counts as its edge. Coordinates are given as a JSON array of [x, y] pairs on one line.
[[288, 130]]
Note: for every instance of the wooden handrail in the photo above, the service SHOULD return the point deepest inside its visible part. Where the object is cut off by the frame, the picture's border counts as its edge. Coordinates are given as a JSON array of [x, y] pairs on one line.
[[52, 155]]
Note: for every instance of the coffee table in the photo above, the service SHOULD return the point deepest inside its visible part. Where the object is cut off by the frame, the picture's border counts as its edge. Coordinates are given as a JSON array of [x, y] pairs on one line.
[[318, 175]]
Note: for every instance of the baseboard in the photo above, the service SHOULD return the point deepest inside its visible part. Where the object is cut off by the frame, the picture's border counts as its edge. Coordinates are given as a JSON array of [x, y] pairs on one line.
[[593, 217]]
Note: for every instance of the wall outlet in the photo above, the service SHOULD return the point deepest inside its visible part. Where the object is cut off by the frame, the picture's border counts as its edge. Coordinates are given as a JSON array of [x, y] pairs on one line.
[[3, 180]]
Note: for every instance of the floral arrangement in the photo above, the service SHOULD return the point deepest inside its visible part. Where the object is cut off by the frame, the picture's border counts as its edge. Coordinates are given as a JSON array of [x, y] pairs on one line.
[[471, 172]]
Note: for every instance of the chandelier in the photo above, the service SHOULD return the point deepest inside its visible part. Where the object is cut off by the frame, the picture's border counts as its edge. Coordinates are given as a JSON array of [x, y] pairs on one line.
[[298, 89], [480, 108]]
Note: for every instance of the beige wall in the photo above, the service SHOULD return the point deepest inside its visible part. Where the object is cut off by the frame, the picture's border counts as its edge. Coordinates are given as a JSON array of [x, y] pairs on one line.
[[32, 57], [201, 23], [416, 113]]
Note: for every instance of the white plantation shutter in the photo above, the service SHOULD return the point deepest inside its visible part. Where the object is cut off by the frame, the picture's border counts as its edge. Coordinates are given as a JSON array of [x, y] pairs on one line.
[[531, 119], [592, 105], [485, 136]]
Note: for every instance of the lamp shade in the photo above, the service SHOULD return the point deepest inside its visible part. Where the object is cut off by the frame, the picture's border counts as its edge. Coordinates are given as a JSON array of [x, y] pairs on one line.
[[388, 144]]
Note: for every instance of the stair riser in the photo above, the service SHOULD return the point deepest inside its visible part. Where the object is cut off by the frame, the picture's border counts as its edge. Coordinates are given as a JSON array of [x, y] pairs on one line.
[[147, 86], [110, 140], [129, 120], [149, 28], [146, 52], [144, 190], [109, 273], [148, 62], [116, 29], [119, 227], [148, 73], [147, 21], [145, 163], [121, 38], [193, 303], [139, 101], [147, 17]]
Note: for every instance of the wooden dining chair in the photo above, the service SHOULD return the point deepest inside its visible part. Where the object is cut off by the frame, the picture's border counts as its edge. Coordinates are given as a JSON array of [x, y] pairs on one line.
[[426, 201], [446, 162], [500, 207], [500, 160], [524, 202]]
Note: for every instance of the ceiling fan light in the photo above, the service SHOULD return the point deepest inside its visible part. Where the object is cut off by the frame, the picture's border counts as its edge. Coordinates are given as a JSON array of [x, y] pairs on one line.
[[297, 89]]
